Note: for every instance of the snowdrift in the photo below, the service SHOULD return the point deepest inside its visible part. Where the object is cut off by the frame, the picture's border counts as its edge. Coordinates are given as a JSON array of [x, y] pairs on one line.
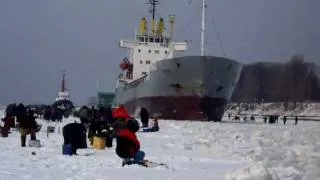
[[304, 110]]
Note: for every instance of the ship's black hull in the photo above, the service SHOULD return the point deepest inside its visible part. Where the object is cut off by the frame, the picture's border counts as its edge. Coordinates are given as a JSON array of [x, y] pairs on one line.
[[180, 108]]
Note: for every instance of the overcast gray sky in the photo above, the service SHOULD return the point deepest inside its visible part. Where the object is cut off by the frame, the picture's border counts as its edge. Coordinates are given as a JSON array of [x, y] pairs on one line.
[[40, 38]]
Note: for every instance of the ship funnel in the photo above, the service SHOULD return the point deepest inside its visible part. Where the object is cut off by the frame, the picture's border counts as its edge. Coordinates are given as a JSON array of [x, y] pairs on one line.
[[172, 20], [161, 28], [143, 27]]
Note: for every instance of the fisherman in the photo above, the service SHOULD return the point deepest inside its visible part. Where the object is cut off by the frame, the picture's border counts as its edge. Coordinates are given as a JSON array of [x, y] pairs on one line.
[[265, 119], [11, 109], [28, 125], [144, 115], [120, 116], [284, 120], [107, 115], [75, 134], [84, 115], [154, 126], [128, 145], [8, 123]]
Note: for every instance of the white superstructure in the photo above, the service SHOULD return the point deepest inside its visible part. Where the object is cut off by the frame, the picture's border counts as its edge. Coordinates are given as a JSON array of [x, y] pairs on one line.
[[148, 47]]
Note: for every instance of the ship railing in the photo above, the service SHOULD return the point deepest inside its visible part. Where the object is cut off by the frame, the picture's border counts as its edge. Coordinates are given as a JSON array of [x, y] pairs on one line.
[[128, 43], [124, 81], [136, 82], [178, 46]]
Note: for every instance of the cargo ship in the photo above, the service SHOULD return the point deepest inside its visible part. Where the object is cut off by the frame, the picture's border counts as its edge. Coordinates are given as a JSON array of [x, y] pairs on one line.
[[178, 88]]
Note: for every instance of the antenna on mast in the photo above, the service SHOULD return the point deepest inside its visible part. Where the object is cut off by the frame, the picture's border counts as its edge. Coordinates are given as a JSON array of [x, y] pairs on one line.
[[153, 4], [203, 28]]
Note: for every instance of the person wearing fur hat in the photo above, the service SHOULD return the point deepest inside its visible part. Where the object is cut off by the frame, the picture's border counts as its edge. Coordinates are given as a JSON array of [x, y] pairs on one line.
[[128, 145]]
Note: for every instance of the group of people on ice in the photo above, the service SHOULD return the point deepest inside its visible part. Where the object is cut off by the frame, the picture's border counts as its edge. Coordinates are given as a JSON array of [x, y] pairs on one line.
[[110, 124], [46, 112], [26, 119], [272, 119]]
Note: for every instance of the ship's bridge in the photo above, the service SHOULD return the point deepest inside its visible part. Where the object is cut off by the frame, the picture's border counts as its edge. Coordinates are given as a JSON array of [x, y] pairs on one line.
[[162, 40]]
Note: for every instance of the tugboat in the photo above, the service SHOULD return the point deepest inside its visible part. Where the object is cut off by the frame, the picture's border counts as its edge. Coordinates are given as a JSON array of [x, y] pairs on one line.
[[179, 88], [63, 101]]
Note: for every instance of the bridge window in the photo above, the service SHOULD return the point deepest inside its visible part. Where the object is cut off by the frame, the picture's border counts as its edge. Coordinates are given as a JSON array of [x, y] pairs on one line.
[[141, 62], [149, 51], [139, 50], [144, 73], [166, 52], [148, 62]]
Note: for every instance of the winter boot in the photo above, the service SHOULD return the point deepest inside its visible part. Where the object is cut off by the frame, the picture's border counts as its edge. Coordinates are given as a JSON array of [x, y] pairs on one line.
[[74, 150], [126, 161]]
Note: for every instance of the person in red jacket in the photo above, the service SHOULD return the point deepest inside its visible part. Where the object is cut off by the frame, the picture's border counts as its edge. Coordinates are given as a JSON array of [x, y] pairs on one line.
[[128, 145], [120, 116], [121, 113]]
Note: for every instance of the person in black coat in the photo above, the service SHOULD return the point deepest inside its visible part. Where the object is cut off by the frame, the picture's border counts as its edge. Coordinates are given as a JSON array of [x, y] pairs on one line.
[[28, 125], [144, 115], [75, 134], [11, 110], [107, 115]]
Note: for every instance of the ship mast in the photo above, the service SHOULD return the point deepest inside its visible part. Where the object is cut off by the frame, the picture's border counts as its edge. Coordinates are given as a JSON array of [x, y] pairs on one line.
[[63, 85], [153, 3], [203, 28]]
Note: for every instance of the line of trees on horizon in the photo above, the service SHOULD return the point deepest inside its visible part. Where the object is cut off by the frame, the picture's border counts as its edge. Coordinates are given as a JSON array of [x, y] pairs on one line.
[[295, 80]]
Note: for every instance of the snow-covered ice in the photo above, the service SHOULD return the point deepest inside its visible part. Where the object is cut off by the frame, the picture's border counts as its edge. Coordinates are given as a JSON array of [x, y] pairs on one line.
[[192, 150]]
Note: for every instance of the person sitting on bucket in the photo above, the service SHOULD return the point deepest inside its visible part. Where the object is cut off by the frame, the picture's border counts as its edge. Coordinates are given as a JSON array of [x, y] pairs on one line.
[[154, 126], [128, 145]]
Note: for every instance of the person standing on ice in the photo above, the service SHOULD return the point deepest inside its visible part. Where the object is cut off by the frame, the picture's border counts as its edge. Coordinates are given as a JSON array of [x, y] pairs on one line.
[[107, 115], [128, 145], [8, 123], [144, 115], [84, 115], [284, 120], [28, 125]]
